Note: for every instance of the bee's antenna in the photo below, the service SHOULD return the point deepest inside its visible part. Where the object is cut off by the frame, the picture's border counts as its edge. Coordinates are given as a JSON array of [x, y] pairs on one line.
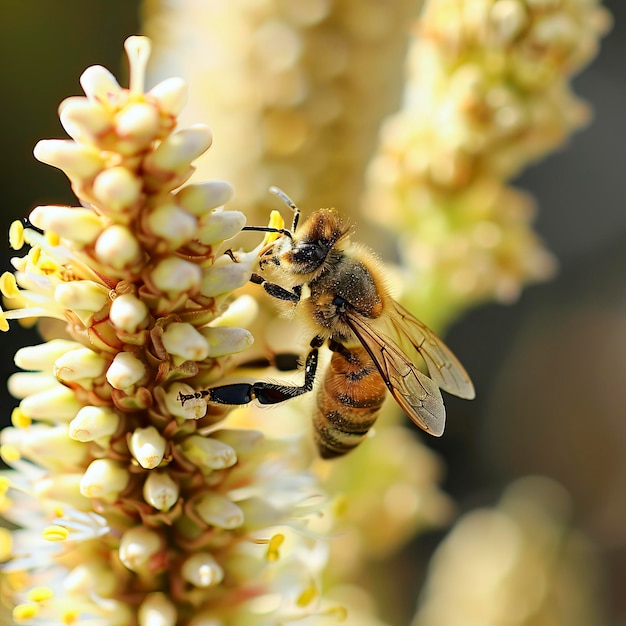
[[290, 203]]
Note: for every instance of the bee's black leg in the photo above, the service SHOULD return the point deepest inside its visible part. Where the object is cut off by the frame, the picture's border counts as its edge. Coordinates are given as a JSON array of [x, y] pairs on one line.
[[261, 391], [282, 361], [276, 291]]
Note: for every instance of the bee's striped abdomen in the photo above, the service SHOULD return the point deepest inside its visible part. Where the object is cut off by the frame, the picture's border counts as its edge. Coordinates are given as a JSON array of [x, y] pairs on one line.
[[348, 402]]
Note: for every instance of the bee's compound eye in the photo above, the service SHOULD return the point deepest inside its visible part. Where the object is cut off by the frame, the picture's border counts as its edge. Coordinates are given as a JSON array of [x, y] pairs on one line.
[[310, 254]]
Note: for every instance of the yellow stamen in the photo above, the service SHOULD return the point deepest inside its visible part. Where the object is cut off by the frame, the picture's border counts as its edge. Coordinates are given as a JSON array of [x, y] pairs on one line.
[[307, 596], [340, 613], [40, 594], [52, 238], [8, 286], [274, 544], [55, 533], [23, 612], [16, 235], [9, 453], [70, 617], [19, 419], [276, 221]]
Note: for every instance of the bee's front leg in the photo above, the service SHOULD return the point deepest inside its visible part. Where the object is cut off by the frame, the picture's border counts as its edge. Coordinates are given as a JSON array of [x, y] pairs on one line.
[[276, 291]]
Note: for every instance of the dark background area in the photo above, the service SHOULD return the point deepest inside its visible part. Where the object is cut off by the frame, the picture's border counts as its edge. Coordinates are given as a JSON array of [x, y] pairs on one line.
[[550, 370]]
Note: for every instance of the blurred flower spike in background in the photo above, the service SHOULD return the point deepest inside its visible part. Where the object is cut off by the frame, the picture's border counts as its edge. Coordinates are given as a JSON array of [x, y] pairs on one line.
[[129, 506]]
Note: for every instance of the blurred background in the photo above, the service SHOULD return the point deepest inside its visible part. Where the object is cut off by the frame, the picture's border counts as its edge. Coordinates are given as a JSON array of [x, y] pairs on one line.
[[549, 369]]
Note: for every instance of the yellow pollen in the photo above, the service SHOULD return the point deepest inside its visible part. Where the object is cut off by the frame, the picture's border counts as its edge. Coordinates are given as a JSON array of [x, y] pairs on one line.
[[6, 544], [35, 254], [5, 484], [23, 612], [276, 221], [58, 511], [8, 286], [48, 267], [340, 613], [40, 594], [340, 505], [274, 544], [4, 325], [70, 617], [16, 235], [52, 238], [307, 596], [55, 533], [9, 453], [19, 419]]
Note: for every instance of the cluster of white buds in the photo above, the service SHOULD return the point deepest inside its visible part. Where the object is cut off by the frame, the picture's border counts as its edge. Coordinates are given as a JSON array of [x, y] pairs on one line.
[[132, 506]]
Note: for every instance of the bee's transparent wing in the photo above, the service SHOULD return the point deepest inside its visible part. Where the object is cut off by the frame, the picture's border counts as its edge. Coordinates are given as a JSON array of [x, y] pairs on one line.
[[412, 335], [416, 393]]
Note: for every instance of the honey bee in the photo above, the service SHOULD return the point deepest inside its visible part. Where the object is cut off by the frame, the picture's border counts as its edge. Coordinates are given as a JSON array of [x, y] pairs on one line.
[[374, 341]]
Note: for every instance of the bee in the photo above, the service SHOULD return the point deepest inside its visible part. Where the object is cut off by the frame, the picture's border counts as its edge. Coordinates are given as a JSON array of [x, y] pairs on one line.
[[375, 342]]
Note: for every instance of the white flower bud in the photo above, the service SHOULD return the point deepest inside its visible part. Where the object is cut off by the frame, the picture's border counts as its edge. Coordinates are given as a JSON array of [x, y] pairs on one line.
[[83, 119], [77, 160], [117, 247], [104, 478], [173, 275], [81, 295], [116, 189], [79, 364], [202, 570], [90, 578], [202, 198], [219, 511], [173, 224], [241, 313], [191, 409], [178, 150], [243, 441], [160, 491], [507, 18], [138, 124], [157, 610], [223, 341], [183, 340], [93, 422], [171, 95], [43, 356], [128, 313], [137, 546], [22, 384], [220, 226], [218, 280], [58, 404], [147, 445], [78, 224], [208, 453], [125, 370], [99, 84]]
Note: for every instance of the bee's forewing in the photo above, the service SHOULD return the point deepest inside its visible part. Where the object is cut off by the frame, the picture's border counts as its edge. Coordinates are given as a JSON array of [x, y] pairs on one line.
[[412, 335], [416, 393]]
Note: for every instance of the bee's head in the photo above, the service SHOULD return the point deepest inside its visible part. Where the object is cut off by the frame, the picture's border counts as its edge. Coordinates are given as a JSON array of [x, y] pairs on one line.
[[311, 244]]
